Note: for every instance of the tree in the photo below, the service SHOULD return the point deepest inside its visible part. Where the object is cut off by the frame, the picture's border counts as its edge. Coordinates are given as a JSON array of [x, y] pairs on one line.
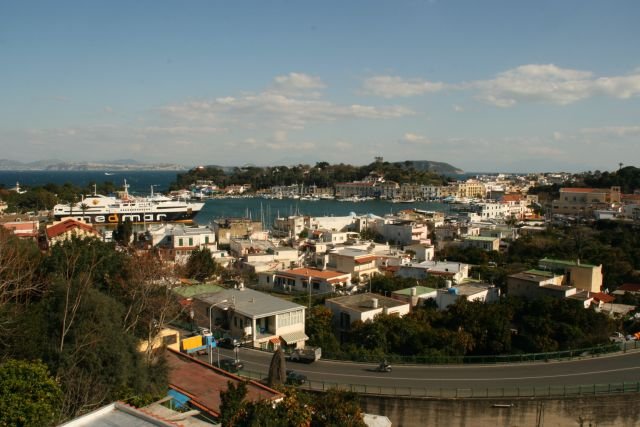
[[277, 369], [200, 265], [148, 301], [30, 396], [337, 408], [232, 404], [123, 232], [319, 328], [83, 208], [294, 410], [20, 281], [98, 363]]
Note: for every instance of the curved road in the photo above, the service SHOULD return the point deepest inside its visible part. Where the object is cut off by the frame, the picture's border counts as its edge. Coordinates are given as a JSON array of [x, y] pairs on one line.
[[608, 369]]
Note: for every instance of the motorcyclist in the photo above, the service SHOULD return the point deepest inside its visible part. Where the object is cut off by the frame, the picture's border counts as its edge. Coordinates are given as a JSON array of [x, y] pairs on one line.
[[384, 364]]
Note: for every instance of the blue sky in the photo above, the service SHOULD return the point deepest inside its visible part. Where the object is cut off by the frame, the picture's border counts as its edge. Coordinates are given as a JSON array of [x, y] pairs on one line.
[[483, 85]]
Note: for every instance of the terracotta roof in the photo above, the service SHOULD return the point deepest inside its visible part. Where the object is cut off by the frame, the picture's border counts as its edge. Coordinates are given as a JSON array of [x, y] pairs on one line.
[[605, 298], [312, 272], [631, 287], [511, 198], [69, 225], [203, 383], [22, 228], [365, 259]]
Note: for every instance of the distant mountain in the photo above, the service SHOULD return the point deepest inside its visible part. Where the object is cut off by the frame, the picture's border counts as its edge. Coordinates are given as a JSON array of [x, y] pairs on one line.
[[124, 162], [431, 166], [112, 165]]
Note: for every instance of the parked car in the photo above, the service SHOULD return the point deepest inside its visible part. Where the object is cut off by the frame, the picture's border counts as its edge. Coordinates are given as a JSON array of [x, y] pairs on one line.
[[616, 337], [296, 378], [205, 332], [230, 365], [229, 343]]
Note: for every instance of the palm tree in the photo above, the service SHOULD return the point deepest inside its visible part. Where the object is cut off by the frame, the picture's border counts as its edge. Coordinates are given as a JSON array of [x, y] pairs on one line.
[[84, 208]]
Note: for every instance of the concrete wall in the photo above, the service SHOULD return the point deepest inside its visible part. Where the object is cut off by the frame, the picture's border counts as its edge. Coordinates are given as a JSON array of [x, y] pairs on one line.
[[586, 278], [601, 411]]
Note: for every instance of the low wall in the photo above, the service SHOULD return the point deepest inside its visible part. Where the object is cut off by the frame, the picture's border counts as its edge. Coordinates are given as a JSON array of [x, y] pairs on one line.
[[604, 410]]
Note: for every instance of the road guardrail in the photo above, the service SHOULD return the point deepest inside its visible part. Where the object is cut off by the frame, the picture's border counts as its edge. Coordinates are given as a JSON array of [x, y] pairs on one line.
[[556, 391]]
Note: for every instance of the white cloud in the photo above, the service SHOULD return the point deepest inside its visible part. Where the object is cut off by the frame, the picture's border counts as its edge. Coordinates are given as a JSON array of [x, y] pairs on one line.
[[394, 86], [181, 130], [414, 138], [617, 131], [543, 83], [343, 145], [548, 83], [291, 146], [269, 109], [298, 81], [458, 108], [280, 136]]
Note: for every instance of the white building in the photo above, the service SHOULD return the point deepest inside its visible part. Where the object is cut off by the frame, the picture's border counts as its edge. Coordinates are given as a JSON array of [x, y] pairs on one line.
[[402, 232], [488, 210], [259, 319], [335, 223], [363, 307], [422, 251], [298, 279], [454, 271], [482, 292], [178, 241]]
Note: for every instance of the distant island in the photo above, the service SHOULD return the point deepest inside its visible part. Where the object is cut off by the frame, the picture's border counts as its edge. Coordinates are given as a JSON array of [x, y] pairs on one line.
[[113, 165], [440, 168]]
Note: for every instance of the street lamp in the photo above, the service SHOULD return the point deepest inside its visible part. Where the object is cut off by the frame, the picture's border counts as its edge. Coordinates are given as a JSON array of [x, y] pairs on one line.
[[211, 331]]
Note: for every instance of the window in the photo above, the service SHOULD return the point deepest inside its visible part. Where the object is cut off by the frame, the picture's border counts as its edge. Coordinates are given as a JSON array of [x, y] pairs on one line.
[[180, 242], [170, 339], [190, 241], [206, 239]]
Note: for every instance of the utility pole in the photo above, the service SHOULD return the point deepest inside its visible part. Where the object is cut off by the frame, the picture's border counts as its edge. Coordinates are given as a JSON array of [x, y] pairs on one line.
[[309, 286]]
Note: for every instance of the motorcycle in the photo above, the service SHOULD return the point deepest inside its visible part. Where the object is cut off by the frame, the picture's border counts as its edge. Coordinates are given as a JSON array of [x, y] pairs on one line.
[[383, 367]]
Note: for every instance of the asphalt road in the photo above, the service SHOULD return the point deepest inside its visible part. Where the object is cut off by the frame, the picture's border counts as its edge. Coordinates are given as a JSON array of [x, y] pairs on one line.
[[609, 369]]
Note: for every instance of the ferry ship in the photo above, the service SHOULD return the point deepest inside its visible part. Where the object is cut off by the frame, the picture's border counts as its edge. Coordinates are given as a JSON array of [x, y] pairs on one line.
[[105, 210]]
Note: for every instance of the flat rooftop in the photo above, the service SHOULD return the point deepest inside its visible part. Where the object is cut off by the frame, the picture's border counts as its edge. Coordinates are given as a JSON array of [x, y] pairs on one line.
[[420, 290], [468, 289], [530, 277], [481, 238], [249, 302], [566, 263], [363, 302]]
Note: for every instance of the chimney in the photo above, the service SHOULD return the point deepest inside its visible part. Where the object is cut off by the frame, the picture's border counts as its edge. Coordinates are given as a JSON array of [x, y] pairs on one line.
[[374, 302], [414, 291]]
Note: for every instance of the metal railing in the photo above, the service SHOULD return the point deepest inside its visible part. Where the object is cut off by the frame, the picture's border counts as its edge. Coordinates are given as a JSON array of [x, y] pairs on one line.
[[550, 391]]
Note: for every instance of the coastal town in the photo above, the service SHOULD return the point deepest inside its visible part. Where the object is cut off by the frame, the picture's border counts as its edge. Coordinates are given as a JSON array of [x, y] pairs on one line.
[[236, 283]]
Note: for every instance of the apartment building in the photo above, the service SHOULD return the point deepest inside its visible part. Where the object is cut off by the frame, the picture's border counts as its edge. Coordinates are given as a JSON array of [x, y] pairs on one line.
[[583, 201], [584, 277]]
